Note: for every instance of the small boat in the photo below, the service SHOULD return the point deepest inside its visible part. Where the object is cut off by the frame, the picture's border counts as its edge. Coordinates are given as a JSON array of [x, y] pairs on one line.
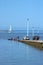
[[10, 38], [36, 37], [26, 38]]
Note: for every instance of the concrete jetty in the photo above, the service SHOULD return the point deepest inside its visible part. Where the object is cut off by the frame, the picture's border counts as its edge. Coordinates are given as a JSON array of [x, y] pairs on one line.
[[34, 43]]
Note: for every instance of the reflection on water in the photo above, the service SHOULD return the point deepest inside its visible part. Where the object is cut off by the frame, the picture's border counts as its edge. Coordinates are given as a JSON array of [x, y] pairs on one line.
[[15, 53]]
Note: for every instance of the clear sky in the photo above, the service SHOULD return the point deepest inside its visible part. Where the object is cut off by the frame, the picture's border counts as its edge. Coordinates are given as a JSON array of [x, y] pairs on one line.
[[16, 12]]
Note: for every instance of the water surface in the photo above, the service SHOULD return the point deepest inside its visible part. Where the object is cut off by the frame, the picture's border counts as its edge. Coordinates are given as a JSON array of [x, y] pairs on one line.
[[16, 53]]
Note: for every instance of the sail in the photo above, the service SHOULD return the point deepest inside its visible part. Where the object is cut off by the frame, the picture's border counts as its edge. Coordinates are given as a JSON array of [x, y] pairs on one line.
[[10, 29]]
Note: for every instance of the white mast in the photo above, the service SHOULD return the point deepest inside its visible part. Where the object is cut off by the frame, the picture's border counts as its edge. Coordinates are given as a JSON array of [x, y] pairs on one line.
[[38, 31], [33, 31], [27, 25], [26, 37]]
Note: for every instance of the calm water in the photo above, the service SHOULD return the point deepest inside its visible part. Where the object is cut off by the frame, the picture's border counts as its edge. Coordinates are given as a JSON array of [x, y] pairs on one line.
[[16, 53]]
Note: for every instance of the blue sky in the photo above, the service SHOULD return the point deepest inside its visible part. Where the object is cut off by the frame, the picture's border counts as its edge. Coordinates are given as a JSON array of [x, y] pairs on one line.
[[16, 12]]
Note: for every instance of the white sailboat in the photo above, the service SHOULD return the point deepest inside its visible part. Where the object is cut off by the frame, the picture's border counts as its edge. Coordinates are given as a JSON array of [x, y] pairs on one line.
[[10, 29]]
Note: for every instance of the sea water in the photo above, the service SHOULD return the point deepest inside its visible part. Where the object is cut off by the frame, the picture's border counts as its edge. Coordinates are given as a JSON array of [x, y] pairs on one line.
[[16, 53]]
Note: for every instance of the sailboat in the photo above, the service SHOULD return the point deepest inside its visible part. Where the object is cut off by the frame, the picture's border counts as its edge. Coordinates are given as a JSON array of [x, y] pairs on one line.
[[10, 29]]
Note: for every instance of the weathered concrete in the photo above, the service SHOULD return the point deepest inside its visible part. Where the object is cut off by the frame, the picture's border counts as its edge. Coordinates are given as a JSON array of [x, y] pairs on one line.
[[34, 43]]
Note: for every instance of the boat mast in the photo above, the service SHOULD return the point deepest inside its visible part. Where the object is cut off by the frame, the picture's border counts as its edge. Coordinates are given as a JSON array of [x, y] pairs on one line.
[[38, 31], [33, 31], [27, 25]]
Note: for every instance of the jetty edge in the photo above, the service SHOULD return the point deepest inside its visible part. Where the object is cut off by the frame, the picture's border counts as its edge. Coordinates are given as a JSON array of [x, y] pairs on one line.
[[35, 43]]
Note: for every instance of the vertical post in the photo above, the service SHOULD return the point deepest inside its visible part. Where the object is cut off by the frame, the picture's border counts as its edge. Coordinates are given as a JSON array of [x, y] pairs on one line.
[[38, 31], [27, 25], [33, 31]]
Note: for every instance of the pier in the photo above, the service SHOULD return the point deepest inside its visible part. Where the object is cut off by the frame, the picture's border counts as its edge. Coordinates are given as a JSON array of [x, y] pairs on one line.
[[35, 43]]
